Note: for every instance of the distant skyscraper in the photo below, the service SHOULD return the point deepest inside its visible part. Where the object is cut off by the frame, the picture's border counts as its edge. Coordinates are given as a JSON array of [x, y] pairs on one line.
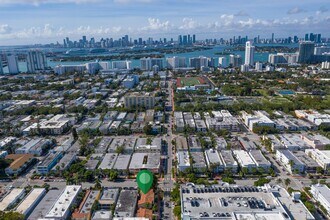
[[185, 40], [306, 51], [194, 39], [295, 39], [318, 38], [68, 44], [180, 40], [36, 61], [1, 68], [12, 61], [273, 38], [249, 53], [311, 37], [306, 37], [126, 40]]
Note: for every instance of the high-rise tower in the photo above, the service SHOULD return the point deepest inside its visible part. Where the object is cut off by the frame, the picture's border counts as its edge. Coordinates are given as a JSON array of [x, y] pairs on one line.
[[249, 53], [306, 51], [36, 61]]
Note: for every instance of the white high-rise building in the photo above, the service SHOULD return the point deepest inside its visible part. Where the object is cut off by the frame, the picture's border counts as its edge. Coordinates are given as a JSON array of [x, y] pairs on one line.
[[36, 61], [223, 62], [283, 58], [245, 68], [145, 64], [258, 66], [12, 61], [198, 62], [122, 65], [325, 65], [249, 53], [269, 68], [235, 60], [149, 63], [92, 67], [321, 50], [104, 65], [176, 62]]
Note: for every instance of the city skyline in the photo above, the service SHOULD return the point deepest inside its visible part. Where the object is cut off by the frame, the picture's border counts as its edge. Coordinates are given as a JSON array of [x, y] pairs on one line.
[[46, 21]]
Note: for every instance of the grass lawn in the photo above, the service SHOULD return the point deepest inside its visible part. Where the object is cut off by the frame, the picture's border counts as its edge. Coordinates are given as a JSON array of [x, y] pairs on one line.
[[262, 92], [190, 81], [280, 100]]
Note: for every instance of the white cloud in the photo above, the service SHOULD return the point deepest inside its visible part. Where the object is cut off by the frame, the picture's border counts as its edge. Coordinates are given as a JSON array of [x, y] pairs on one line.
[[226, 24], [156, 24], [226, 20], [5, 29], [188, 24]]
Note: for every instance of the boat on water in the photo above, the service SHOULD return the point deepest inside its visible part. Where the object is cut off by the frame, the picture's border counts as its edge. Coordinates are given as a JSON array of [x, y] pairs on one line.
[[98, 50], [76, 52]]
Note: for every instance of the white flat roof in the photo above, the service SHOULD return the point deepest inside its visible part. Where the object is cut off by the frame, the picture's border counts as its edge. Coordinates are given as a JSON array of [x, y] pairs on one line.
[[29, 201], [322, 156], [145, 160], [183, 158], [10, 198], [244, 158], [122, 162], [108, 161], [256, 216], [102, 214], [327, 155], [297, 209], [323, 190], [64, 202], [212, 156]]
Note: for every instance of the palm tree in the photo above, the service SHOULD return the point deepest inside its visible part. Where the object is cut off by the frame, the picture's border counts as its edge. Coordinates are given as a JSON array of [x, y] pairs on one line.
[[279, 181], [291, 162], [245, 170], [97, 184], [287, 182]]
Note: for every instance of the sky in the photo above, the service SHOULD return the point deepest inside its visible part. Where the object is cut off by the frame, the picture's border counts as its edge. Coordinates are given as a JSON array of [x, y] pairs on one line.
[[49, 21]]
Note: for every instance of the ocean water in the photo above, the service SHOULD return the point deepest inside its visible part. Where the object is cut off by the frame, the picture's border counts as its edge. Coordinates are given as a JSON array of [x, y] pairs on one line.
[[261, 57]]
